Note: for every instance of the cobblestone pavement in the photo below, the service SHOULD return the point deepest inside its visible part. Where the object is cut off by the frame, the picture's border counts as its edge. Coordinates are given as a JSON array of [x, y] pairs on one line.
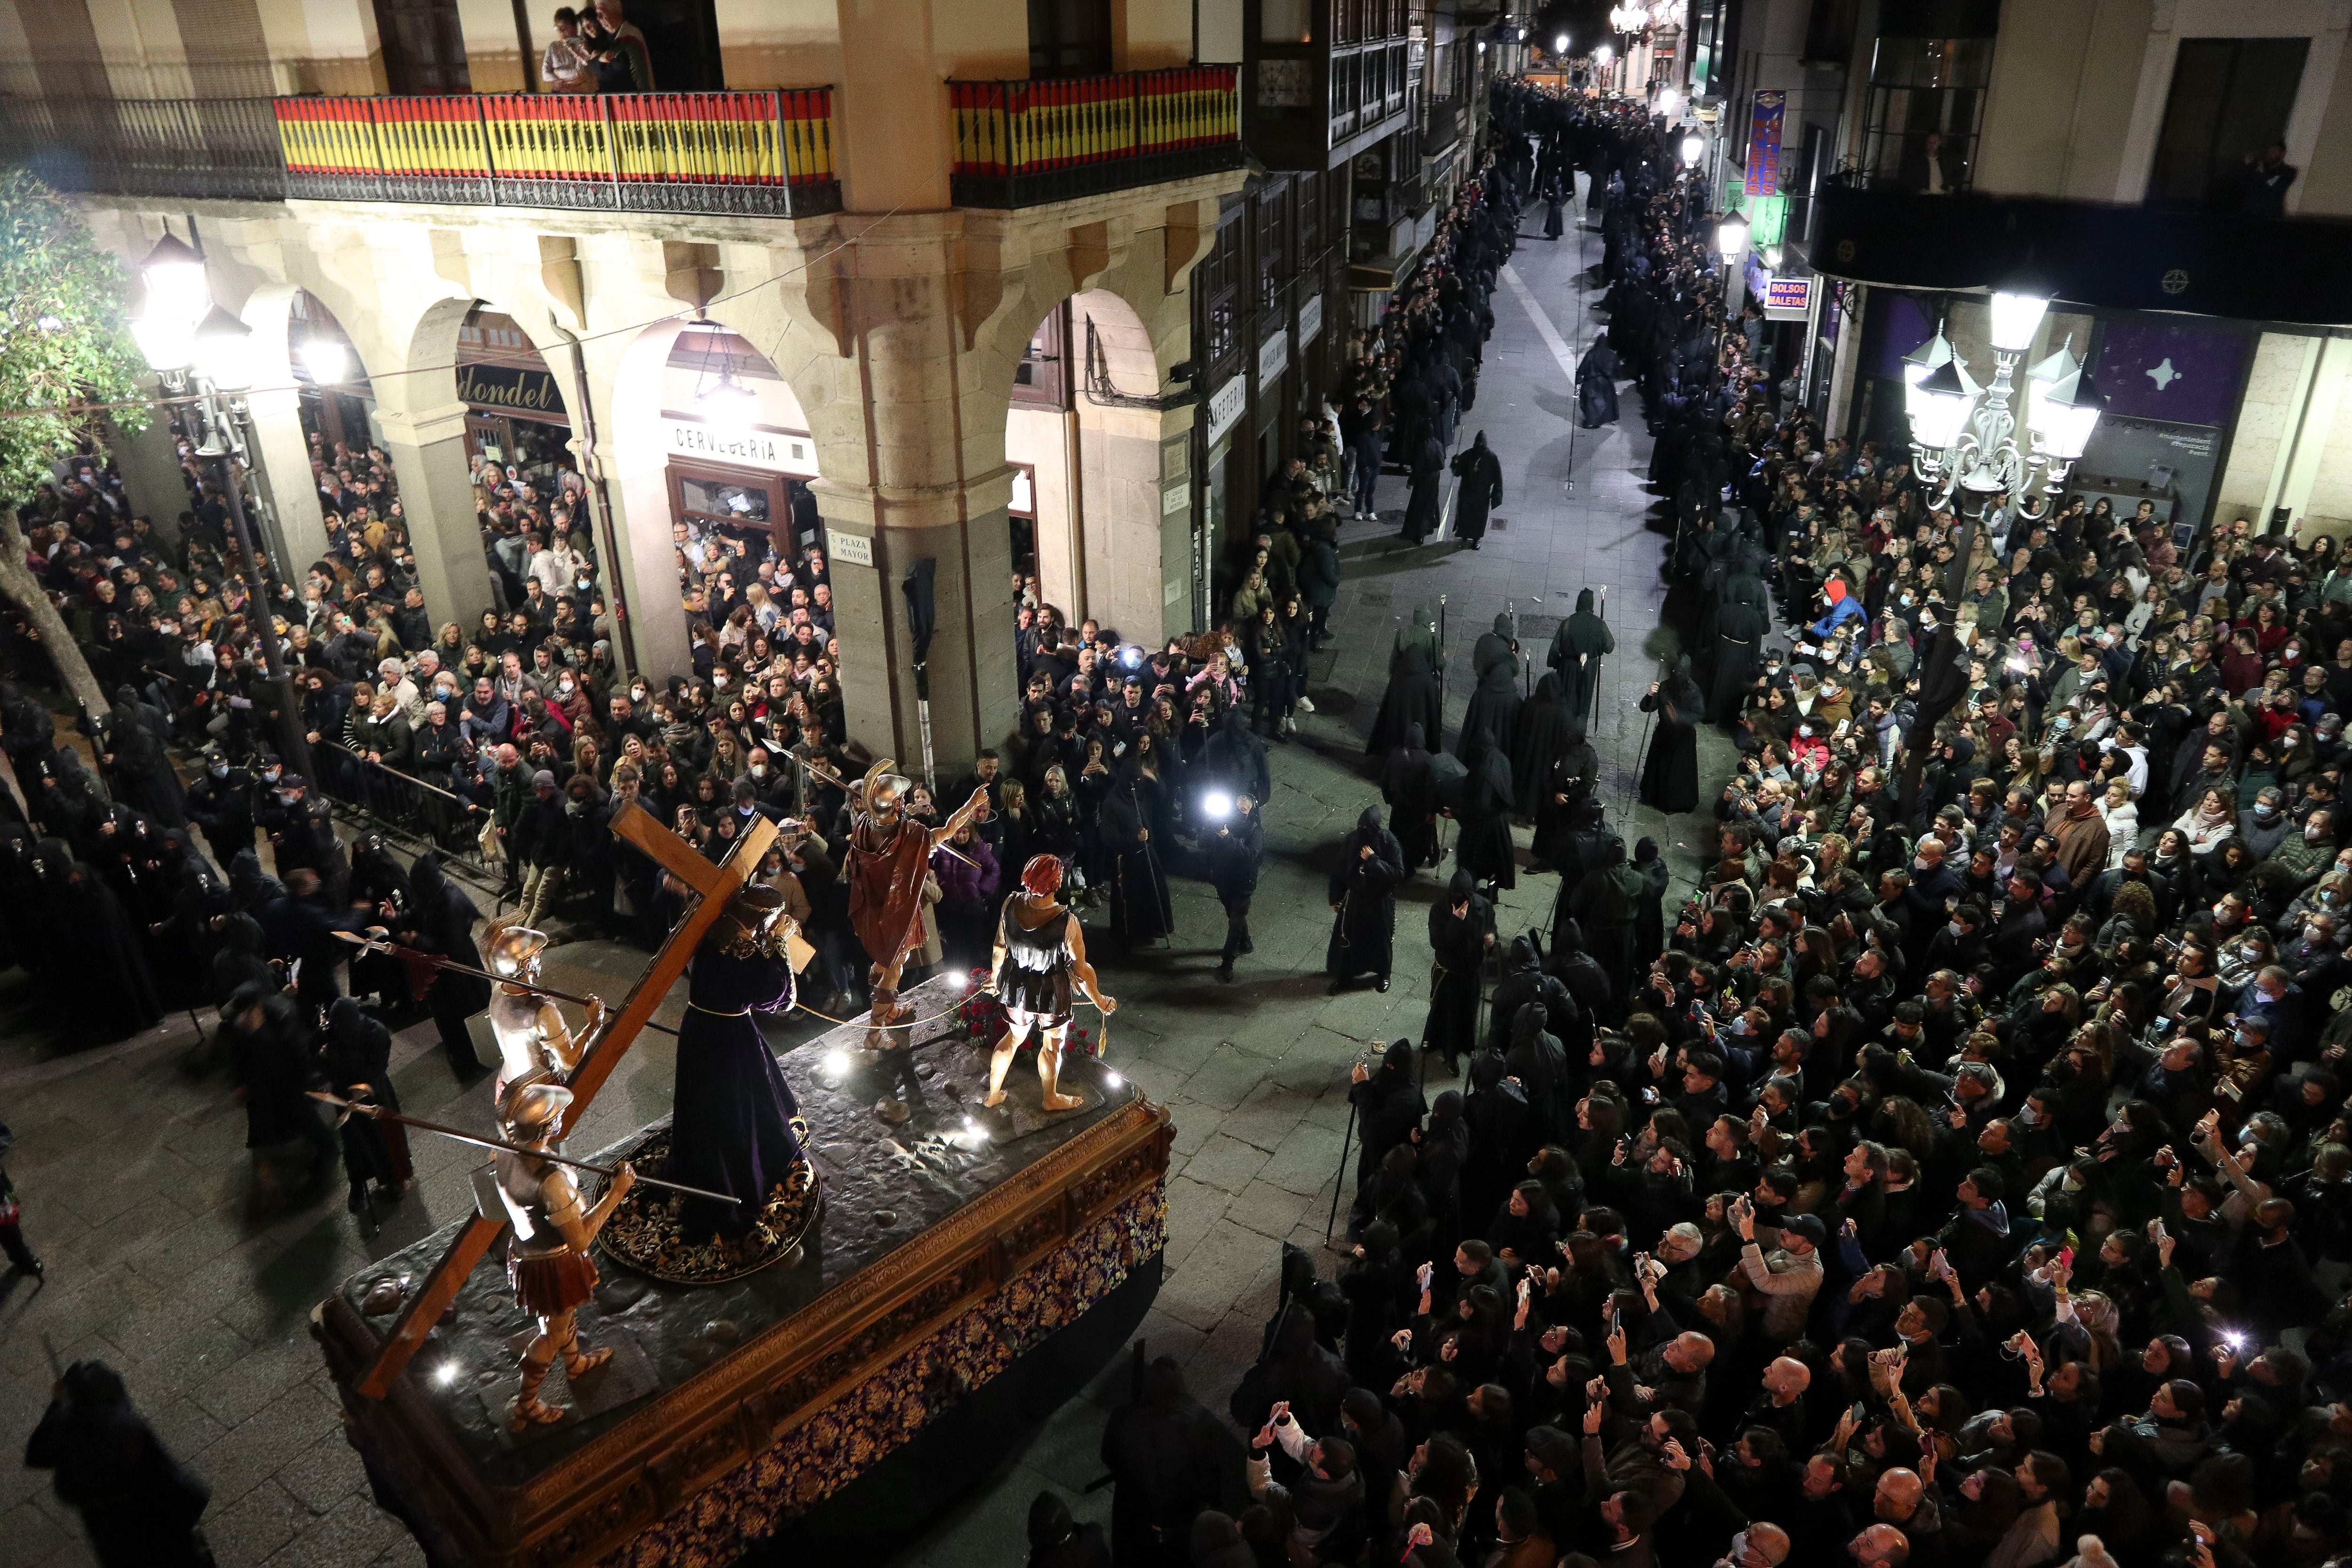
[[140, 1195]]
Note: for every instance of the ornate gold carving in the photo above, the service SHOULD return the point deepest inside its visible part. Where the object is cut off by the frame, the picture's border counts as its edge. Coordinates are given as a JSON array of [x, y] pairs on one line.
[[594, 1525]]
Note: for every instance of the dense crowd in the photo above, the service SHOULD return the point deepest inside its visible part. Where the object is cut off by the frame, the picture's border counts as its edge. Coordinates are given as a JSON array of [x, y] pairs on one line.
[[1959, 1175]]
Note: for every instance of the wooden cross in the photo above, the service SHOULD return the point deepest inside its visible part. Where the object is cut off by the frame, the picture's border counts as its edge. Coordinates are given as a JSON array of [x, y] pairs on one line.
[[715, 883]]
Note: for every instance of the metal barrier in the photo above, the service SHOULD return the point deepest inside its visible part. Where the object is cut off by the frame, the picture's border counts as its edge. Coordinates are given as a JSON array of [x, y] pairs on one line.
[[224, 148], [756, 154], [407, 810], [1019, 143]]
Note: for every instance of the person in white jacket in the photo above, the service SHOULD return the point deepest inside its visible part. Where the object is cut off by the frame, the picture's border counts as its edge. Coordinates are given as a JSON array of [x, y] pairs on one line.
[[2122, 817]]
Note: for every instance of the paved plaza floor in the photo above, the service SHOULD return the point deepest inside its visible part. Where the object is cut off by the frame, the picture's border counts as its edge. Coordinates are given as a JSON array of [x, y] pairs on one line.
[[139, 1194]]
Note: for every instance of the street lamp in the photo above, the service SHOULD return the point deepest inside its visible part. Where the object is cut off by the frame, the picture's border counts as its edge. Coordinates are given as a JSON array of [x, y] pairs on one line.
[[1559, 45], [327, 360], [1731, 237], [1694, 148], [1964, 436], [193, 345]]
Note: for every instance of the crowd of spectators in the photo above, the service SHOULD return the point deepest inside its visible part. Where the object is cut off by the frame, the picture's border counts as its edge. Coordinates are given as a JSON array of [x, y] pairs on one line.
[[1959, 1175]]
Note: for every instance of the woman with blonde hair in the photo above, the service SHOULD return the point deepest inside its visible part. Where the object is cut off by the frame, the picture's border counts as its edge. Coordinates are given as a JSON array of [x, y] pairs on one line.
[[2122, 817]]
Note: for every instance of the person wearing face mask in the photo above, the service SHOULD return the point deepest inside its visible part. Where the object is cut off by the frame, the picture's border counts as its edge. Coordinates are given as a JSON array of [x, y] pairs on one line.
[[221, 804], [2308, 852]]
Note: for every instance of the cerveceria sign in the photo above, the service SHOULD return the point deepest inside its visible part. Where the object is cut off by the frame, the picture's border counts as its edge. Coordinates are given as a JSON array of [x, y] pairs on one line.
[[530, 392]]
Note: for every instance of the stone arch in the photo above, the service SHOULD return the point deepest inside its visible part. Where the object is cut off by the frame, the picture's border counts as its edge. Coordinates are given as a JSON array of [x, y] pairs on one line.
[[1095, 468], [642, 437]]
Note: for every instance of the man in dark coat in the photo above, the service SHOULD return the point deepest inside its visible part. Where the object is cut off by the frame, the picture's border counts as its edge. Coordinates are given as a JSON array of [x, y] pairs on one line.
[[1481, 473], [1576, 652], [1232, 849], [1363, 902]]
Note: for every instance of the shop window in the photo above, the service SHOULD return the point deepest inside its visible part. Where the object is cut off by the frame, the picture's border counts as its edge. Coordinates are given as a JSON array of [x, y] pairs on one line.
[[2229, 101], [739, 501]]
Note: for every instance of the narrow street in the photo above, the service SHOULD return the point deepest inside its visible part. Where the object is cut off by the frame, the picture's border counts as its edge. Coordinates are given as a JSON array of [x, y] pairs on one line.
[[139, 1191]]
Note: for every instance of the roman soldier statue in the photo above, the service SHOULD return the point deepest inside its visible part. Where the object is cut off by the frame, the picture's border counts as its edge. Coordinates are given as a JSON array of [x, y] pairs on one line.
[[547, 1253]]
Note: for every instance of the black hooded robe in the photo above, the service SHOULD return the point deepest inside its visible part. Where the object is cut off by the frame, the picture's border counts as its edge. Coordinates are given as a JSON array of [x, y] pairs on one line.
[[445, 925], [1485, 848], [357, 1051], [1670, 773], [1420, 501], [1539, 743], [1604, 904], [139, 1504], [1596, 387], [142, 774], [1740, 628], [108, 964], [1577, 649], [1494, 707], [1457, 946], [1481, 473], [1139, 906], [1415, 695], [1363, 898], [1408, 786]]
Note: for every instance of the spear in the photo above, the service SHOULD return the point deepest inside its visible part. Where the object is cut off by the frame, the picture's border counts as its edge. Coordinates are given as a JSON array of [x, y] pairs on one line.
[[351, 1107], [430, 964]]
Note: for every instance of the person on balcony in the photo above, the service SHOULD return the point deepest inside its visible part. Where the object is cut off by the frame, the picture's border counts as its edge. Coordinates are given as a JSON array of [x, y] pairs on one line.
[[623, 62], [566, 67], [1932, 170]]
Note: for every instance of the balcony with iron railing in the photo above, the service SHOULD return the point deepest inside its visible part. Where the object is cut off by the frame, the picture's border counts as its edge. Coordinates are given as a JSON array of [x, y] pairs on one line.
[[753, 154], [1019, 143], [758, 155]]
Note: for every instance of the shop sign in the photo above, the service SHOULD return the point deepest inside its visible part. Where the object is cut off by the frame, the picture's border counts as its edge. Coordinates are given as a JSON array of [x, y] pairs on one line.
[[528, 393], [1787, 299], [1273, 357], [1310, 321], [857, 549], [779, 451], [1764, 143], [1227, 405]]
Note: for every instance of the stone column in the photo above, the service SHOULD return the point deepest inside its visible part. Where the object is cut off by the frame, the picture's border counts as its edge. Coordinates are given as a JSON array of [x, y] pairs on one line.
[[153, 479], [428, 449], [876, 538], [297, 530], [928, 479]]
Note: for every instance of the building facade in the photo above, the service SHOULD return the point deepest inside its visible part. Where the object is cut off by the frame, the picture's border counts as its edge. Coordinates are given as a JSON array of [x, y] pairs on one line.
[[796, 290], [2174, 173]]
